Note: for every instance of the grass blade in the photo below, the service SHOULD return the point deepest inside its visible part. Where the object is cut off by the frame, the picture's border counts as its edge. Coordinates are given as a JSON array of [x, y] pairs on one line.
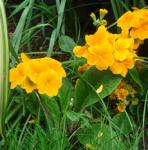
[[56, 31], [17, 36], [4, 68]]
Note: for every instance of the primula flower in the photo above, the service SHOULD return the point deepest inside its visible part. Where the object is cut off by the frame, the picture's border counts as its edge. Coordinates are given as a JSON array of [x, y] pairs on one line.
[[42, 74], [81, 51], [98, 37], [121, 94], [122, 67], [124, 49], [101, 56], [106, 50], [135, 23], [121, 107], [124, 56]]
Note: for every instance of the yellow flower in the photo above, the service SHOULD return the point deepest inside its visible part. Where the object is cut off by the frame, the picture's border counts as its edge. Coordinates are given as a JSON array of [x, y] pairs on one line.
[[98, 37], [81, 51], [124, 49], [140, 32], [103, 11], [124, 56], [135, 23], [49, 83], [121, 107], [121, 94], [101, 56], [28, 85], [18, 75], [124, 22], [122, 67], [42, 74], [24, 57]]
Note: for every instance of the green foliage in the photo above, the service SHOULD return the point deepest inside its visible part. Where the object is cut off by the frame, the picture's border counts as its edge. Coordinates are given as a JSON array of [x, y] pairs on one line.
[[100, 136], [125, 124], [136, 77], [66, 44], [78, 116], [88, 84]]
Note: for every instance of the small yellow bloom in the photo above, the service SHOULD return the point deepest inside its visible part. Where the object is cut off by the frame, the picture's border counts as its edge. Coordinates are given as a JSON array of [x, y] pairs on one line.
[[104, 22], [93, 15], [121, 94], [121, 107], [103, 11]]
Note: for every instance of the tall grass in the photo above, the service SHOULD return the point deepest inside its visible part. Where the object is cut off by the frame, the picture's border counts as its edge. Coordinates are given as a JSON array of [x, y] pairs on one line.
[[4, 66]]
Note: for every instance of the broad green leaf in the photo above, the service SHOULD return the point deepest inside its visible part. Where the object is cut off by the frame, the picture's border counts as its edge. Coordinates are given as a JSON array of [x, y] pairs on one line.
[[99, 136], [88, 84], [66, 43], [123, 123], [136, 77], [73, 116], [66, 94]]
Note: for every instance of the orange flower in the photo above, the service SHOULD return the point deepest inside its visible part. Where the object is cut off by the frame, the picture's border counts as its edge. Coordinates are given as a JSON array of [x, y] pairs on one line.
[[121, 94], [121, 107]]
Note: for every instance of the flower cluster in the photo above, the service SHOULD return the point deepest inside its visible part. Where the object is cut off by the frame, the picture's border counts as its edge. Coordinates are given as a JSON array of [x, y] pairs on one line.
[[42, 74], [116, 52], [123, 95], [135, 23]]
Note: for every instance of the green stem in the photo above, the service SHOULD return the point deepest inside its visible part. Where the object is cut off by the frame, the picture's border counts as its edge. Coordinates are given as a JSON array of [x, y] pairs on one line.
[[46, 113]]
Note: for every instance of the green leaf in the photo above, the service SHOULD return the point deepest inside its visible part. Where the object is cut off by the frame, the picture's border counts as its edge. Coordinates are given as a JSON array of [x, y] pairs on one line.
[[73, 116], [88, 84], [66, 94], [99, 136], [136, 77], [122, 122], [66, 43]]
